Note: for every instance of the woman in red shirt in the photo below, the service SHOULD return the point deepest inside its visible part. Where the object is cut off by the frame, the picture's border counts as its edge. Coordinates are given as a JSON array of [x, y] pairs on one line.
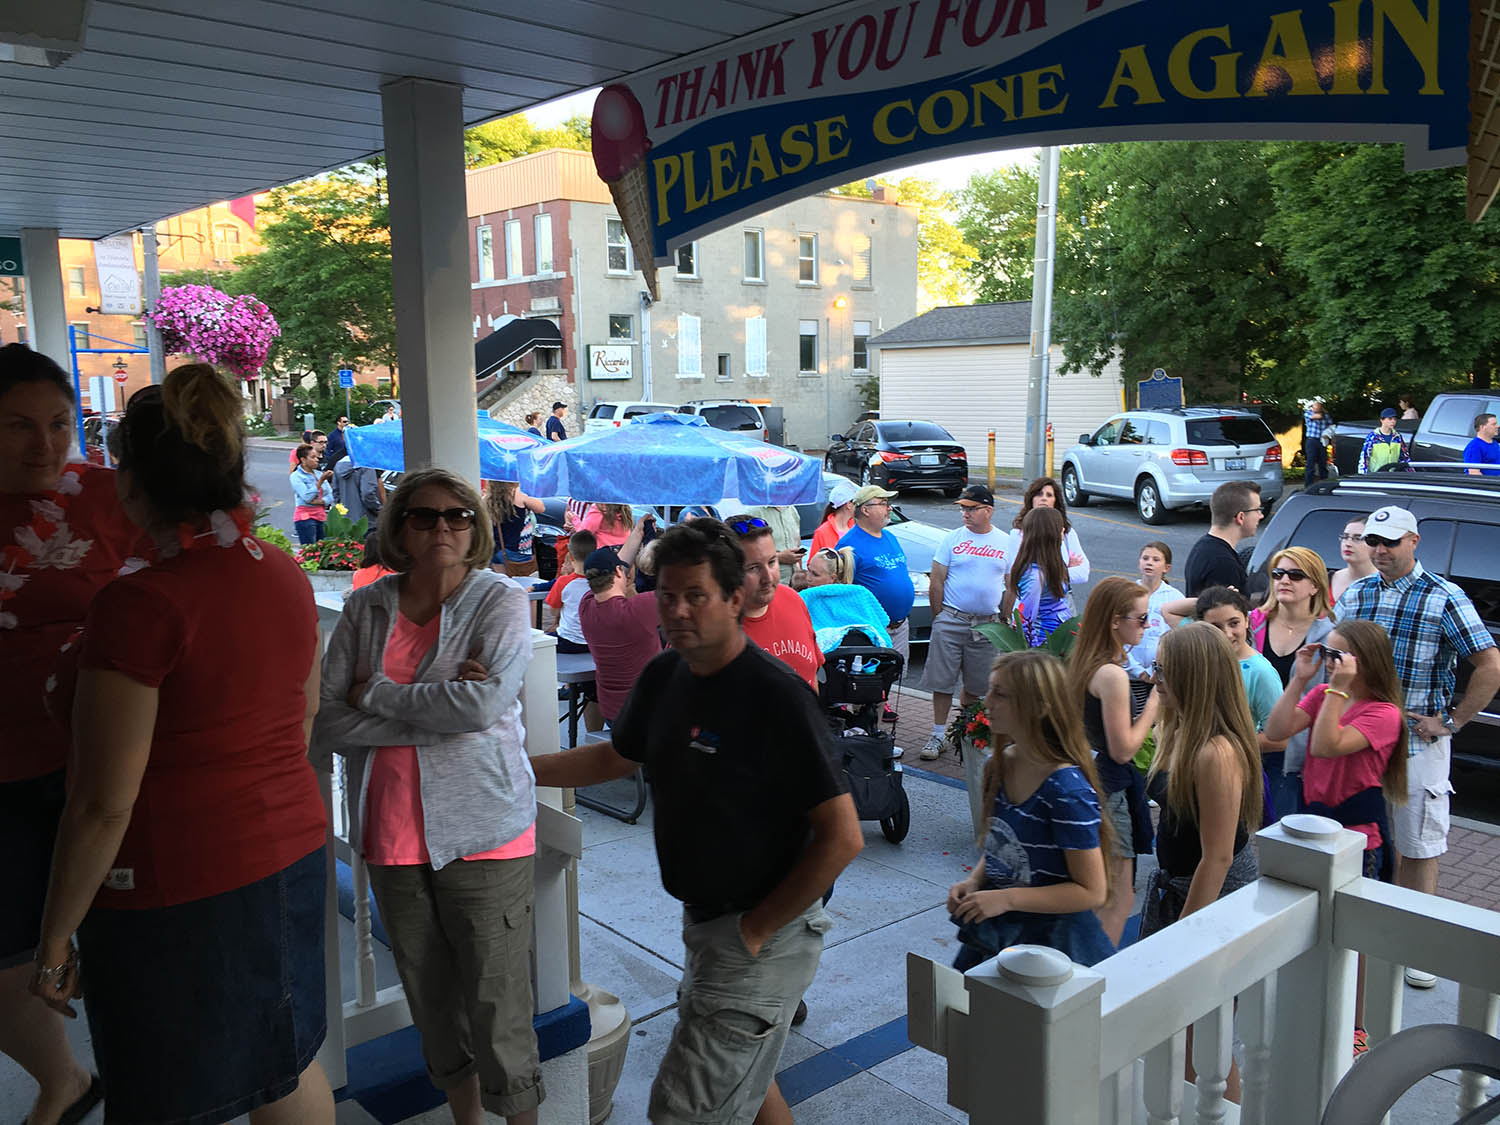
[[190, 858], [62, 537]]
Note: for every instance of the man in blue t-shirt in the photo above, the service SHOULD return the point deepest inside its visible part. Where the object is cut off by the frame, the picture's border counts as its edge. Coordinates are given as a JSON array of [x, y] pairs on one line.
[[556, 431], [880, 563], [1483, 449]]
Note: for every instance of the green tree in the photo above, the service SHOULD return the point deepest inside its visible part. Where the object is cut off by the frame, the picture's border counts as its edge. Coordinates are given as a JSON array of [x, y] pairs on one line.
[[943, 255], [1397, 290], [517, 135]]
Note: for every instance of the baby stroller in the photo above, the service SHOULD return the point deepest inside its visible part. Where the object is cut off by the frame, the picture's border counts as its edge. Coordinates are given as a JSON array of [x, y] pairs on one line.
[[857, 678]]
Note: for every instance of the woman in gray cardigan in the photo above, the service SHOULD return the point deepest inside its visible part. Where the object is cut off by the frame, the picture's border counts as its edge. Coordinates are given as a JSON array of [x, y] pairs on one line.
[[421, 694]]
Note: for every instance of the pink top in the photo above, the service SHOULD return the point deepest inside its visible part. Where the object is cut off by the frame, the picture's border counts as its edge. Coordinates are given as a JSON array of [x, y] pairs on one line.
[[594, 520], [394, 827], [1331, 781]]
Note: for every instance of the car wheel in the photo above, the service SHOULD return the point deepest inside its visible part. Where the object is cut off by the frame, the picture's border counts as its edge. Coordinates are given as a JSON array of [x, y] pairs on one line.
[[953, 492], [1148, 503], [828, 465], [1072, 492], [864, 475]]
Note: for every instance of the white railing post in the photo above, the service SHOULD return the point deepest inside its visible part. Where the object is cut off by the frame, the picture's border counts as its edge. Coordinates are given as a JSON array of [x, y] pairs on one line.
[[1257, 1025], [331, 1054], [1213, 1054], [1046, 1011], [1477, 1009], [1163, 1086], [1314, 1037], [364, 942]]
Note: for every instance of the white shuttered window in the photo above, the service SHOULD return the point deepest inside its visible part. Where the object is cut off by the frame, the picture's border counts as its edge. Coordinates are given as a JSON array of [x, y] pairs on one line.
[[689, 346], [755, 345]]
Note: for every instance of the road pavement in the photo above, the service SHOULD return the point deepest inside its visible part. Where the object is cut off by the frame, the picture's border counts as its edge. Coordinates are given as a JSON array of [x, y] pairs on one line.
[[268, 470]]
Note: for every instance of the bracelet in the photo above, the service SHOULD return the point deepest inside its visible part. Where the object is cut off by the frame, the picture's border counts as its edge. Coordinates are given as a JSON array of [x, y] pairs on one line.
[[1335, 691], [56, 975]]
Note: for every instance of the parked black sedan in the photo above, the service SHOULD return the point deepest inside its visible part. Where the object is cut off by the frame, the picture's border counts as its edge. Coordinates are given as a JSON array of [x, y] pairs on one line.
[[900, 454]]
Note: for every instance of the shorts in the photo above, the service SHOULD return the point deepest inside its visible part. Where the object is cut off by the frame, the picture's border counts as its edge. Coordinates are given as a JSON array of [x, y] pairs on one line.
[[29, 813], [733, 1015], [205, 1010], [1117, 808], [461, 939], [956, 649], [1419, 828], [901, 640]]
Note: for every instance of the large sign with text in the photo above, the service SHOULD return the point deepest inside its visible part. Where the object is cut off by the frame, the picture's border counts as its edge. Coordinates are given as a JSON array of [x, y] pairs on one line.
[[693, 146], [611, 361]]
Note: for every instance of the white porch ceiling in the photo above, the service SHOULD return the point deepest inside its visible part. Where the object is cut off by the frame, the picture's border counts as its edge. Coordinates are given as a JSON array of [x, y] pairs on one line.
[[172, 104]]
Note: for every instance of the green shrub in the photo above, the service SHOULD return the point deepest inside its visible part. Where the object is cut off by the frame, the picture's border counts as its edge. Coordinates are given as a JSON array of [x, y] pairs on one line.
[[267, 533], [326, 409]]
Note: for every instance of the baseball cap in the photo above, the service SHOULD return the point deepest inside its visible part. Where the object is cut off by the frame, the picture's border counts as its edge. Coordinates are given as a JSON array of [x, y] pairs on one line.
[[602, 561], [563, 405], [1389, 412], [841, 493], [872, 492], [976, 494], [1391, 522]]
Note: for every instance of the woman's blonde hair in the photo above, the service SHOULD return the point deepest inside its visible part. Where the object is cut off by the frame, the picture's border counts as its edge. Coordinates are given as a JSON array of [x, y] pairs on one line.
[[1307, 561], [1098, 644], [1371, 646], [1051, 725], [393, 519], [1205, 699], [840, 563], [500, 497], [617, 517]]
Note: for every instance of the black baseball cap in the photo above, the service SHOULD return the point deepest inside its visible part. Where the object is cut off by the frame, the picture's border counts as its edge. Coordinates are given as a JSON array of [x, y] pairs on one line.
[[559, 405], [602, 561], [977, 494]]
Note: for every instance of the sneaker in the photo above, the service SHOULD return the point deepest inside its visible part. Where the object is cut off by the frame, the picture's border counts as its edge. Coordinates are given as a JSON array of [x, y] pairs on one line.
[[1418, 979], [1361, 1042], [799, 1017], [888, 716], [897, 752], [933, 748]]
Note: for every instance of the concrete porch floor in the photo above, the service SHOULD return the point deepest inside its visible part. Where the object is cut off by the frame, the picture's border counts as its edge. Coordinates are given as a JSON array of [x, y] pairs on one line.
[[850, 1063]]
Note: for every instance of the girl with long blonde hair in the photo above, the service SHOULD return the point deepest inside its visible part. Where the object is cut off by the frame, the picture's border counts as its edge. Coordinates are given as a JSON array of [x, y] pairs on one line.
[[1042, 875], [610, 523], [1116, 721]]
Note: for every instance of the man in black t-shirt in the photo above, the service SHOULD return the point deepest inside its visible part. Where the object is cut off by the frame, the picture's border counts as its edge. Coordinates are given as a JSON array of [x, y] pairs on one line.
[[753, 822], [1236, 511]]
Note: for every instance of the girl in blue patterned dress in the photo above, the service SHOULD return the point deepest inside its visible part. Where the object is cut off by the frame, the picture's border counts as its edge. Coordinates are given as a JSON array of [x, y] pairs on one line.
[[1042, 874]]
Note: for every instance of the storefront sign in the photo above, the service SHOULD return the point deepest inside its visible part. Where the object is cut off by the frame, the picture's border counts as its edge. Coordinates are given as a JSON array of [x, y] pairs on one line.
[[11, 262], [611, 361], [695, 145], [119, 283]]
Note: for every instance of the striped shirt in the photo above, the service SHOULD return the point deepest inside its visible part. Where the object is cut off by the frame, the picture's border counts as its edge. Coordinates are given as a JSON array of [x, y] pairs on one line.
[[1431, 622], [1313, 429], [1025, 843]]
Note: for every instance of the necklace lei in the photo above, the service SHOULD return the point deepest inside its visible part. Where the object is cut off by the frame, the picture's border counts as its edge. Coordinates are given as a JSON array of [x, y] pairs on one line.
[[225, 529], [46, 543]]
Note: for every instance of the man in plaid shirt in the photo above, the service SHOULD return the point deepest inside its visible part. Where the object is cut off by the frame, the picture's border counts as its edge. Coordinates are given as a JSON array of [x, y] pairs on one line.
[[1432, 623], [1315, 426]]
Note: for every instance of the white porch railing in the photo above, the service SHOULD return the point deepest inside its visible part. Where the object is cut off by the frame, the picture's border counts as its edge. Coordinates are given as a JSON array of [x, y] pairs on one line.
[[1108, 1044], [374, 1012]]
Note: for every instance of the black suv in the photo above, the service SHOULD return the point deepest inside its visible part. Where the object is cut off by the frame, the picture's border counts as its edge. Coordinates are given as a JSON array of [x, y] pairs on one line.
[[1458, 518]]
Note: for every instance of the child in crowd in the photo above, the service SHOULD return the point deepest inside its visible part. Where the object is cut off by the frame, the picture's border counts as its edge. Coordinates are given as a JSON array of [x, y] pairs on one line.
[[1042, 874], [1228, 611], [1154, 564], [1356, 757], [568, 591], [1037, 585]]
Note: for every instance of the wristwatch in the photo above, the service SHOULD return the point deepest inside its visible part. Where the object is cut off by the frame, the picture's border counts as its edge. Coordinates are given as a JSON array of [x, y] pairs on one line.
[[1449, 723]]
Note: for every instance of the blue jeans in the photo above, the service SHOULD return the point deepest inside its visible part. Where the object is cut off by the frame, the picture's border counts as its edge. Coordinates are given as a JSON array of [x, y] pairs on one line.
[[1315, 454], [309, 531]]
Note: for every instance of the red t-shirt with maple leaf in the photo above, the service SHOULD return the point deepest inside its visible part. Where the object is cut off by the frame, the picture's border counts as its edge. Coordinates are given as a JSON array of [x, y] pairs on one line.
[[57, 550]]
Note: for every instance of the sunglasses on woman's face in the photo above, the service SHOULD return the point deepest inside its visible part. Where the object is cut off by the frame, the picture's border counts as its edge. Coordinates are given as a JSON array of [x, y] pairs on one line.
[[1283, 572], [1142, 618], [425, 519]]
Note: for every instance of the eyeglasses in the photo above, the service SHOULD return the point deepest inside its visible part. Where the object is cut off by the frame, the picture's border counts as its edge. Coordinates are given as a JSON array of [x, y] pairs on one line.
[[1295, 575], [1143, 618], [876, 504], [1382, 541], [1248, 511], [1349, 537], [972, 507], [425, 519], [744, 527]]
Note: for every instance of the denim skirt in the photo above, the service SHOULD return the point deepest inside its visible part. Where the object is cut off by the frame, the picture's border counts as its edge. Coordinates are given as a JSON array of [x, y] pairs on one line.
[[208, 1009]]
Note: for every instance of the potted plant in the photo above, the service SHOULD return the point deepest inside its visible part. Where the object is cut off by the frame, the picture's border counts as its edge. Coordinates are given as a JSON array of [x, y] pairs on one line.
[[331, 561], [970, 730]]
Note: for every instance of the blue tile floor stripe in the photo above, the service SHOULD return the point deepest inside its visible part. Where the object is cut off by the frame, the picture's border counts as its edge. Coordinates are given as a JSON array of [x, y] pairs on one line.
[[928, 775], [836, 1064]]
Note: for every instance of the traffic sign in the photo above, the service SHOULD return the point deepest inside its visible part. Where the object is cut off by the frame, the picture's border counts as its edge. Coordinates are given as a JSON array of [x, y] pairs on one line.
[[11, 263], [346, 377], [122, 376]]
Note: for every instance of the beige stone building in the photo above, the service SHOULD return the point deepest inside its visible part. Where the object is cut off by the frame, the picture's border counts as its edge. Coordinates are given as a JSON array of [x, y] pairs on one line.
[[778, 309]]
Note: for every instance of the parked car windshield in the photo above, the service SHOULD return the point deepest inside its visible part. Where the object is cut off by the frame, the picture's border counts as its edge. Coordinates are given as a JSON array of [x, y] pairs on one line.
[[913, 431], [638, 411], [1228, 431], [730, 417]]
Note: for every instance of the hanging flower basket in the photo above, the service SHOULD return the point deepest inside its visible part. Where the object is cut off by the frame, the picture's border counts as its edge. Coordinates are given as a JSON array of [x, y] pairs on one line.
[[234, 333]]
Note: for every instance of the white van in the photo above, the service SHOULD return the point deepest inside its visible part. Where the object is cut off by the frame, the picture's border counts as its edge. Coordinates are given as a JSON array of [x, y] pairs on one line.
[[609, 415]]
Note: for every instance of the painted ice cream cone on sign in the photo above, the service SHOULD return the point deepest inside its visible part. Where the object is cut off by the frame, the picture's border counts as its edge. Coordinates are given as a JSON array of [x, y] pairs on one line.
[[620, 145]]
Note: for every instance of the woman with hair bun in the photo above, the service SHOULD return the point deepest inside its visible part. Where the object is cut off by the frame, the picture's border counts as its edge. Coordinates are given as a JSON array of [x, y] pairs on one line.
[[190, 859], [62, 539]]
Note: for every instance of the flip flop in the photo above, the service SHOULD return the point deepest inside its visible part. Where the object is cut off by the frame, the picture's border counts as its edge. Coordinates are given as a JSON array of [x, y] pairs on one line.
[[82, 1107]]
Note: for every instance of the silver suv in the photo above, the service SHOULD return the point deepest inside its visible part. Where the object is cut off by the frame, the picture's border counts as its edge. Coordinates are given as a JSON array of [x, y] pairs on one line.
[[1165, 459], [737, 415]]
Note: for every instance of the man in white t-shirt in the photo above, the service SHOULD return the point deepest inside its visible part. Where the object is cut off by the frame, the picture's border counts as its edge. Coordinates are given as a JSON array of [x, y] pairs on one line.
[[968, 580]]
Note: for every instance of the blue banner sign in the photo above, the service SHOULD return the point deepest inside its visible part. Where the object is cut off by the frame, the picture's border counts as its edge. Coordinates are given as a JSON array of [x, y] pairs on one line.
[[697, 144], [346, 376], [1158, 392]]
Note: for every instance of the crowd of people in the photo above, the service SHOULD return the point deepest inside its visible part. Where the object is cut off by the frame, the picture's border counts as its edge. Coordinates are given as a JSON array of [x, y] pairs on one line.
[[167, 835]]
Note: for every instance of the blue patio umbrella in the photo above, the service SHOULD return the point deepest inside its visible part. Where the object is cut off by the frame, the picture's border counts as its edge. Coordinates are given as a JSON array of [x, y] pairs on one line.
[[669, 459], [382, 447]]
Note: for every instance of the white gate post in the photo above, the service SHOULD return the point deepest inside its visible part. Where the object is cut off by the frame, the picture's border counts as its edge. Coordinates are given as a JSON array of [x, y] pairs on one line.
[[1315, 1033]]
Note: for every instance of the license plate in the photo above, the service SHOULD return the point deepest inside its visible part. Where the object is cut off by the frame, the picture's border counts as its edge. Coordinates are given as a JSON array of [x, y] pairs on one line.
[[926, 459], [1233, 463]]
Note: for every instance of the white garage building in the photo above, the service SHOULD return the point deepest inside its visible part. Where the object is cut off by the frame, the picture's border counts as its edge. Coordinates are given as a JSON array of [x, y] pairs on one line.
[[965, 368]]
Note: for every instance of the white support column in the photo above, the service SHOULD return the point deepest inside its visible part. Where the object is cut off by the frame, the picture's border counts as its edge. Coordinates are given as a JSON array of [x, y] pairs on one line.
[[424, 148], [46, 311]]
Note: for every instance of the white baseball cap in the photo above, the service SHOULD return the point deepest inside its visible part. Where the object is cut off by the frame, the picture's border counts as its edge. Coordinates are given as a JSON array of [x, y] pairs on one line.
[[1391, 522], [840, 493]]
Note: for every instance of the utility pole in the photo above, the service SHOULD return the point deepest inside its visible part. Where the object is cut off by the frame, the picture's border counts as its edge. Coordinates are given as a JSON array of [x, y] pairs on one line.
[[1039, 372], [157, 358]]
